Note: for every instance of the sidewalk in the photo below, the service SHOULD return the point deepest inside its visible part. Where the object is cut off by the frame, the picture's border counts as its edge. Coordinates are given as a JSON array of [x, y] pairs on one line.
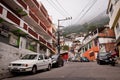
[[118, 60], [5, 75]]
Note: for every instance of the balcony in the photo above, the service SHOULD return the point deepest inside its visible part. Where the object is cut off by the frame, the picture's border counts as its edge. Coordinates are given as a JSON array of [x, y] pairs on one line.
[[43, 26], [43, 10], [17, 6], [33, 33], [20, 8], [38, 10], [1, 9], [15, 23], [42, 40], [87, 40], [102, 35], [36, 24], [51, 47], [23, 4]]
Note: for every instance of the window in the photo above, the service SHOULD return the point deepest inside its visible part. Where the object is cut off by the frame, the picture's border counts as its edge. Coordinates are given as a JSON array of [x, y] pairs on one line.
[[86, 48], [111, 9], [4, 34], [14, 40], [40, 57], [90, 45], [46, 57], [116, 1], [96, 42], [117, 28], [31, 45], [91, 54]]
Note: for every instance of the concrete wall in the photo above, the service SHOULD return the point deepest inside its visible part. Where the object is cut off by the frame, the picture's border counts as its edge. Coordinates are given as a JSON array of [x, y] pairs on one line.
[[115, 14], [7, 54]]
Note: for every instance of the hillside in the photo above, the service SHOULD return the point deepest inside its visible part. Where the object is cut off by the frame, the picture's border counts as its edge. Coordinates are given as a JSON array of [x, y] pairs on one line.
[[86, 27]]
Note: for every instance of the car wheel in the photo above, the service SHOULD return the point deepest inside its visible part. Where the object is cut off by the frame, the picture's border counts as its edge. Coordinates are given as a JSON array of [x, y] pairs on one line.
[[57, 64], [97, 62], [34, 70], [100, 63], [62, 63], [49, 67]]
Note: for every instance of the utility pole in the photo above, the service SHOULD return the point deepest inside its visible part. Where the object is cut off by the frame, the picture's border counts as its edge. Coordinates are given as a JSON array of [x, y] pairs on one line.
[[58, 46]]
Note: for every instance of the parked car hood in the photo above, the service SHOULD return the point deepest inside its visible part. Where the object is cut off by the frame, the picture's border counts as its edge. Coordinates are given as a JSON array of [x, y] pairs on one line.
[[23, 61]]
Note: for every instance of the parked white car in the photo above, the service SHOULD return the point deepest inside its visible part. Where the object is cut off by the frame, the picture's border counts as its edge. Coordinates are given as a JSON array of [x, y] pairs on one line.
[[31, 62]]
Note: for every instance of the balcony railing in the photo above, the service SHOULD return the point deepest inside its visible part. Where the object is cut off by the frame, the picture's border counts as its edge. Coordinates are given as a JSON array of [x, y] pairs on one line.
[[37, 4], [33, 16], [102, 35], [42, 9], [1, 9], [51, 34], [13, 18], [42, 40], [19, 23], [22, 3], [25, 26], [33, 33], [49, 20], [49, 45], [43, 26]]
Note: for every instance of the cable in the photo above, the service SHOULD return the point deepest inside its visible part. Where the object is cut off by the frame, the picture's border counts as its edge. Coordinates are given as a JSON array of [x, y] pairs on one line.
[[81, 12], [96, 16], [62, 7], [87, 11], [56, 8]]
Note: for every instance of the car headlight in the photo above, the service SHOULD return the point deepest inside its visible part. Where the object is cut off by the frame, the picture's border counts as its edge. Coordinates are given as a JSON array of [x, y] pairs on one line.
[[25, 65]]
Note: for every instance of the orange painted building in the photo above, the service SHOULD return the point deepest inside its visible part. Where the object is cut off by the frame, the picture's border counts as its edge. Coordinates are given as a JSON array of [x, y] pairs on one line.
[[100, 40]]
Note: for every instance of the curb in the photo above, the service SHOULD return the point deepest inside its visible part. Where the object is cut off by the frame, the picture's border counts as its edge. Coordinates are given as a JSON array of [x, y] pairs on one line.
[[5, 75]]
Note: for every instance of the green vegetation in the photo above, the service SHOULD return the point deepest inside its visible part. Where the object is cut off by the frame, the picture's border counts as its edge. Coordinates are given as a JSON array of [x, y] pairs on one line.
[[86, 27], [20, 11], [1, 20], [65, 47]]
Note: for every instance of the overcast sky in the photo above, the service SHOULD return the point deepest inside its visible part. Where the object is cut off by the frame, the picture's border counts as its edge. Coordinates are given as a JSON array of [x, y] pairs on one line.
[[80, 10]]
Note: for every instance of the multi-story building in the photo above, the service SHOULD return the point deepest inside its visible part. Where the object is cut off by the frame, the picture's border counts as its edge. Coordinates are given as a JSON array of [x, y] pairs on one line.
[[100, 40], [73, 41], [113, 11], [25, 26]]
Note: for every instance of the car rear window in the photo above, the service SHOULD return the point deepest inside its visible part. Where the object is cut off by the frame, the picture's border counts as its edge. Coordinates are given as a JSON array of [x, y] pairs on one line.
[[103, 54]]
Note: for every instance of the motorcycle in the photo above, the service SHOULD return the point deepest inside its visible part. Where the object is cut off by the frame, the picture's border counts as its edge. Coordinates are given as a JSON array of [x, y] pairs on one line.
[[112, 60]]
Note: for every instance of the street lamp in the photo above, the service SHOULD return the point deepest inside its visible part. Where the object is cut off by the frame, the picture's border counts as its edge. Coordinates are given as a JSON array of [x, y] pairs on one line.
[[58, 46]]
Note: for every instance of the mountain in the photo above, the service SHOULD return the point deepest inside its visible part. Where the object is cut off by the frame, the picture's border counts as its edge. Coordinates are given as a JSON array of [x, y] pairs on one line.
[[99, 21]]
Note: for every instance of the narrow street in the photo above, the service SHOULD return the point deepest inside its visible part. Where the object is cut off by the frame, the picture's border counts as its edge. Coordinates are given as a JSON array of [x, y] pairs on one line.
[[75, 71]]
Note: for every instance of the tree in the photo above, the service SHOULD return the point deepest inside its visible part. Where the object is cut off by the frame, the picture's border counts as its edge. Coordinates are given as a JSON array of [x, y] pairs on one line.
[[65, 47]]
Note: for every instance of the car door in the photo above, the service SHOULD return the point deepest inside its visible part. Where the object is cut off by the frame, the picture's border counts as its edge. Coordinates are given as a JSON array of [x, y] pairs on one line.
[[41, 62], [47, 61]]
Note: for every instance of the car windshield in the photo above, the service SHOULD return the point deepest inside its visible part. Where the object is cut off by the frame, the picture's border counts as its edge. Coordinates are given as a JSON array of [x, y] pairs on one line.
[[103, 54], [55, 56], [30, 56]]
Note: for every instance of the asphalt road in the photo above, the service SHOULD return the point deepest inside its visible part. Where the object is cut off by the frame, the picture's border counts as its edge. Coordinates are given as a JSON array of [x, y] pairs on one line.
[[75, 71]]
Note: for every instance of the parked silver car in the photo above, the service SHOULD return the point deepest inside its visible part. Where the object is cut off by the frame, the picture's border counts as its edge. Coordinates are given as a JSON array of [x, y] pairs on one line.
[[31, 62]]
